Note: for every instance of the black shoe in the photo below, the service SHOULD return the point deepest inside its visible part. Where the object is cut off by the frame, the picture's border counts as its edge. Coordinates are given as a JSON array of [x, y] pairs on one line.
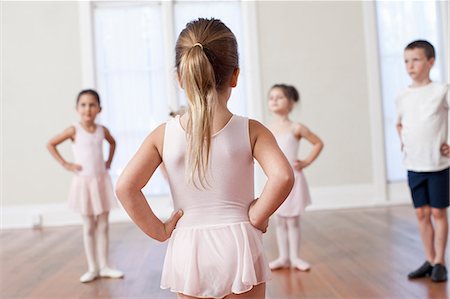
[[439, 273], [423, 271]]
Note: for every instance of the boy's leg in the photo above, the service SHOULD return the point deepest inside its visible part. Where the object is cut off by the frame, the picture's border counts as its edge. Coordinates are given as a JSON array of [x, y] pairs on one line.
[[418, 185], [438, 185], [438, 189], [439, 273], [426, 230], [441, 232]]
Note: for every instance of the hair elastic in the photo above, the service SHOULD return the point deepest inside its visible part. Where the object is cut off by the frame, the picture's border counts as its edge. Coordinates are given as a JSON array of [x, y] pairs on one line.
[[198, 44]]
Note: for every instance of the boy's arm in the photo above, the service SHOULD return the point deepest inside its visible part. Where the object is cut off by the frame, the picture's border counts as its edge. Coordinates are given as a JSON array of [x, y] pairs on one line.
[[399, 128], [112, 147], [68, 133], [445, 148]]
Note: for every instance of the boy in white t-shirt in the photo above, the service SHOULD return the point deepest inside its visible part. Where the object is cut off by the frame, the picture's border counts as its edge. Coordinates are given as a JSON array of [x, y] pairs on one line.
[[423, 130]]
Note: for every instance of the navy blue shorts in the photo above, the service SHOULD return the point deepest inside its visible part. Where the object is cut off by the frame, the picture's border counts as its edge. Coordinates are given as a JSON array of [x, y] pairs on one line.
[[430, 188]]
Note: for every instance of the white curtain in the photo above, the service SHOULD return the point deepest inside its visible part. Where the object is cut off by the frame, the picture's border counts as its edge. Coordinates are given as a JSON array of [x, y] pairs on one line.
[[130, 64], [129, 68], [399, 23]]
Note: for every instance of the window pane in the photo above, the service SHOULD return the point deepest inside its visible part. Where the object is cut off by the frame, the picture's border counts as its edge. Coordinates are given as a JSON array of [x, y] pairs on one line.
[[228, 12], [129, 64], [399, 23]]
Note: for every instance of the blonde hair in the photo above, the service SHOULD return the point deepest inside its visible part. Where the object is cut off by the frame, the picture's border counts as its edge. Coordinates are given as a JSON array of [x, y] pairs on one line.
[[206, 57]]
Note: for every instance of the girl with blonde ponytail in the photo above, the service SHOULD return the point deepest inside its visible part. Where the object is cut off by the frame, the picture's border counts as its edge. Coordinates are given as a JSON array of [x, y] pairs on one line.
[[215, 234]]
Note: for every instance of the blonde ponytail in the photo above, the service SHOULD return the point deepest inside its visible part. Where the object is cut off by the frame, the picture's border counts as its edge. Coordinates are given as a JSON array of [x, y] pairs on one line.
[[206, 56], [198, 81]]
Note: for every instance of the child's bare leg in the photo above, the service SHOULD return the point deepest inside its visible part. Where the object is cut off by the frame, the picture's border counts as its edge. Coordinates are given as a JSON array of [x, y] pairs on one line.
[[426, 231], [102, 234], [282, 241], [89, 224], [182, 296], [441, 232], [293, 225], [257, 292]]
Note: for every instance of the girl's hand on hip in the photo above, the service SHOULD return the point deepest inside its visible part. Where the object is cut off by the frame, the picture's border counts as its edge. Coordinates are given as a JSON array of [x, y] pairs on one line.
[[108, 164], [72, 167], [300, 164], [260, 226], [170, 224]]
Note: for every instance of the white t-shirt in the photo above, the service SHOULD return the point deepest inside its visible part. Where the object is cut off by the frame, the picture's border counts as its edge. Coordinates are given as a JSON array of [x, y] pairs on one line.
[[423, 114]]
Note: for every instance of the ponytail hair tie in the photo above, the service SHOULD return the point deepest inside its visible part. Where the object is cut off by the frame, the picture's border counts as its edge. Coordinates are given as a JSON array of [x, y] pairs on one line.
[[198, 44]]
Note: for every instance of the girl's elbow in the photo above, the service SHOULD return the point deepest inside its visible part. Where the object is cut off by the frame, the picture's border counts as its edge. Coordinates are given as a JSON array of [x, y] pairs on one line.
[[321, 145], [286, 178], [290, 180], [123, 190], [49, 146]]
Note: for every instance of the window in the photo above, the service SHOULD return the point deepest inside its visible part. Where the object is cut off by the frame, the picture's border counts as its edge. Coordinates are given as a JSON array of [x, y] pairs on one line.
[[130, 65], [399, 23]]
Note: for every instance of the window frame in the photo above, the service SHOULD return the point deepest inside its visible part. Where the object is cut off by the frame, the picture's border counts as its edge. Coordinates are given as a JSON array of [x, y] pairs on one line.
[[385, 192], [250, 67]]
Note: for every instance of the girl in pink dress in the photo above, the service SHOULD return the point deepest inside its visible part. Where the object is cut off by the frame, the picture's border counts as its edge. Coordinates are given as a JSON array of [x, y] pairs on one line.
[[288, 135], [215, 234], [91, 193]]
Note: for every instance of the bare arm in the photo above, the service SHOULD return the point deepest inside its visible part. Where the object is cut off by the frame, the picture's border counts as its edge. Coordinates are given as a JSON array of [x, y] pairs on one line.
[[134, 177], [399, 128], [112, 147], [280, 177], [68, 133], [445, 148], [303, 132]]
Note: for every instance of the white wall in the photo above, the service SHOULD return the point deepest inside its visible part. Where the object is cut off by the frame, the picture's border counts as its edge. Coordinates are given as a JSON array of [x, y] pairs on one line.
[[316, 46], [41, 77], [319, 48]]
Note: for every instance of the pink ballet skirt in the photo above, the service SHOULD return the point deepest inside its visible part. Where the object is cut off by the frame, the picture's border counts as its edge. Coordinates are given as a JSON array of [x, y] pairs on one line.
[[215, 261], [92, 195], [91, 192], [299, 198], [214, 250]]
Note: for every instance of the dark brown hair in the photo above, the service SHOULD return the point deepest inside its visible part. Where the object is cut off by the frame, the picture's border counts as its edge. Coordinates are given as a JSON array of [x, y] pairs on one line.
[[91, 92], [289, 91], [422, 44]]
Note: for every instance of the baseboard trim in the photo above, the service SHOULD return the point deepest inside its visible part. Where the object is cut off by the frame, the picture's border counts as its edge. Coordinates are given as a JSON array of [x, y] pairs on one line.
[[58, 214], [323, 198]]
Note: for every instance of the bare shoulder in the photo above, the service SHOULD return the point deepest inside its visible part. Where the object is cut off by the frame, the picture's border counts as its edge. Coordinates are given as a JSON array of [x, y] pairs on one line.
[[258, 131], [68, 133], [105, 129], [256, 128], [300, 130], [156, 137], [255, 125], [70, 130]]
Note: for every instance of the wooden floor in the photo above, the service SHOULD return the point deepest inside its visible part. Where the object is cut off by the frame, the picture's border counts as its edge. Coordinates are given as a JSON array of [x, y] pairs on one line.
[[354, 254]]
